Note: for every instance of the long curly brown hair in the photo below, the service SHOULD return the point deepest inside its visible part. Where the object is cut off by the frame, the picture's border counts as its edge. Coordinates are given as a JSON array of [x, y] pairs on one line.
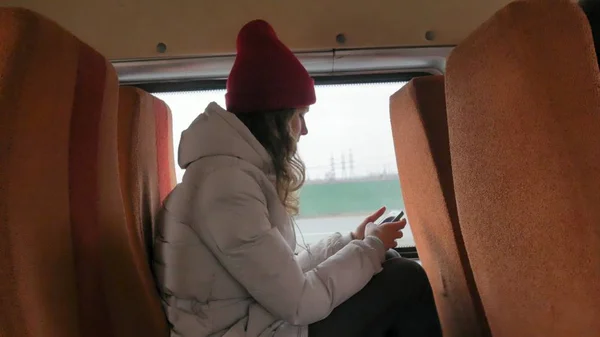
[[272, 129]]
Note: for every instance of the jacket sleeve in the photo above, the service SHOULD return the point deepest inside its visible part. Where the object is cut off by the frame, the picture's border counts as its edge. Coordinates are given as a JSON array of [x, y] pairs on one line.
[[233, 220], [321, 250]]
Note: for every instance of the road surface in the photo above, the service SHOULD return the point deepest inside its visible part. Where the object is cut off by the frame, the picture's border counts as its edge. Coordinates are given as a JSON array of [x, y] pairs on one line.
[[314, 229]]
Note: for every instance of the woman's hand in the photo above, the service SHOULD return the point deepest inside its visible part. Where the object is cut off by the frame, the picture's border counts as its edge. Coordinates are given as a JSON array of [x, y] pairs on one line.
[[387, 232], [359, 233]]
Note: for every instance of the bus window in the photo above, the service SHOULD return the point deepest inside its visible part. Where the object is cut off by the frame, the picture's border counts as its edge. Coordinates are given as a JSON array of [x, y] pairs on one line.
[[348, 152]]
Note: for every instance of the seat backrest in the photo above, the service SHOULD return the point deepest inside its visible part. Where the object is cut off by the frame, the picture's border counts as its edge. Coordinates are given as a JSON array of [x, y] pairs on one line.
[[147, 157], [523, 102], [91, 182], [55, 108], [419, 128], [167, 178], [591, 8], [38, 293], [146, 173]]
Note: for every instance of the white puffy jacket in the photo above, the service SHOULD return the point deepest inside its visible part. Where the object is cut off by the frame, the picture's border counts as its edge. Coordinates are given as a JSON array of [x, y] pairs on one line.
[[224, 254]]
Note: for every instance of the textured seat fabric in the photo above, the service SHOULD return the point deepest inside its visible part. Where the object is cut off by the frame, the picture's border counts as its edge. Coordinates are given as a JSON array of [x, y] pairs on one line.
[[164, 147], [92, 182], [56, 94], [146, 173], [146, 147], [37, 278], [523, 105], [419, 128], [591, 8]]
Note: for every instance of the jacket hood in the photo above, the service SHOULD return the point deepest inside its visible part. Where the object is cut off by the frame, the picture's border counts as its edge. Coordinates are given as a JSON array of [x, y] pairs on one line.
[[217, 132]]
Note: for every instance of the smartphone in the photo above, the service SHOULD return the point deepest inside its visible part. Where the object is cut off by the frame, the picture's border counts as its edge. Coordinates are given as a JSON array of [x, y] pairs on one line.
[[392, 217]]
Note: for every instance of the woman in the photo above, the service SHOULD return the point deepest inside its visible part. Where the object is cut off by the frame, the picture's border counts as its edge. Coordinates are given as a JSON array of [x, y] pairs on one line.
[[224, 255]]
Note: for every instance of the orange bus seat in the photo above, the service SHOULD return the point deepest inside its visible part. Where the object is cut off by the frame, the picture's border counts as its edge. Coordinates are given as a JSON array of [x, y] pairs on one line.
[[38, 292], [54, 104], [145, 153], [419, 128], [591, 8], [523, 104], [167, 178], [90, 172]]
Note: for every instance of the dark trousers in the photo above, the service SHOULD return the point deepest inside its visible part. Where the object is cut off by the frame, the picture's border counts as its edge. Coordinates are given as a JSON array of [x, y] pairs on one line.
[[396, 302]]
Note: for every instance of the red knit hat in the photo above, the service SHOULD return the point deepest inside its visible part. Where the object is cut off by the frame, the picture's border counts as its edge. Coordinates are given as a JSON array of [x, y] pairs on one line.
[[266, 75]]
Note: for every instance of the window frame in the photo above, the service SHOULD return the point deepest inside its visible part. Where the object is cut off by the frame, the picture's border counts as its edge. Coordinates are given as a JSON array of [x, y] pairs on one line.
[[327, 63], [207, 85]]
